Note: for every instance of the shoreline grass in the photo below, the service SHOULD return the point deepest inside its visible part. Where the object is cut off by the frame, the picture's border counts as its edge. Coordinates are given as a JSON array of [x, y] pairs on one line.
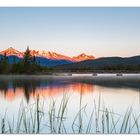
[[101, 120]]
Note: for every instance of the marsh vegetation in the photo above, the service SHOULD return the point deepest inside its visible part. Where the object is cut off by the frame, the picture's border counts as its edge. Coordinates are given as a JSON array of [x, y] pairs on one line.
[[56, 106], [33, 119]]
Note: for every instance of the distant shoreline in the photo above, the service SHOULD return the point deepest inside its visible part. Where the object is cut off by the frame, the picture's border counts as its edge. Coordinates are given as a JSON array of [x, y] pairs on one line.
[[73, 74], [84, 78], [70, 73]]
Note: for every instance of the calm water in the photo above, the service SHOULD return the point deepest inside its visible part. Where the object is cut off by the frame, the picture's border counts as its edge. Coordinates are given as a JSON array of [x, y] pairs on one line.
[[83, 92]]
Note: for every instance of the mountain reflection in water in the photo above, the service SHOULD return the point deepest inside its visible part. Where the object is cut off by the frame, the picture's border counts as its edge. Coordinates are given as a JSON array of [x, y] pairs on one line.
[[11, 89]]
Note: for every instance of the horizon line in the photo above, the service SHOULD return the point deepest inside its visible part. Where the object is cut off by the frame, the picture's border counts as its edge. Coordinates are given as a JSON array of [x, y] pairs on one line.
[[68, 55]]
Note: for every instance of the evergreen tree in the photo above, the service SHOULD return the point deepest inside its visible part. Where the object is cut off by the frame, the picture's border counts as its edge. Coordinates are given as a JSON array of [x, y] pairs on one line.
[[27, 61], [4, 66], [34, 60], [27, 57]]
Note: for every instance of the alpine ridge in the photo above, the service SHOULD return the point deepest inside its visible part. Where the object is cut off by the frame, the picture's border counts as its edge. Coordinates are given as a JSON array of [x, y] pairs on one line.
[[83, 57], [47, 54], [12, 51]]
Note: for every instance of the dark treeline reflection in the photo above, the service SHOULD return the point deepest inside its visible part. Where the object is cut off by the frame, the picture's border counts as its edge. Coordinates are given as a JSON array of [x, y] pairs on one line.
[[29, 87]]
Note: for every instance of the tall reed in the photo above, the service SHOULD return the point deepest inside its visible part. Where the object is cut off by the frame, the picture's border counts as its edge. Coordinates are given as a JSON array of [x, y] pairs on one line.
[[33, 119]]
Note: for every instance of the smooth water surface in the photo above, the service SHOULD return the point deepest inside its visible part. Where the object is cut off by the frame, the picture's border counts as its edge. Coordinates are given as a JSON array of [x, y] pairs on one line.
[[85, 95]]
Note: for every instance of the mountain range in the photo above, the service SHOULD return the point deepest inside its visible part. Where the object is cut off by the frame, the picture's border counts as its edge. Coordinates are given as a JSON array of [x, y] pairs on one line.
[[104, 63], [45, 58], [80, 62]]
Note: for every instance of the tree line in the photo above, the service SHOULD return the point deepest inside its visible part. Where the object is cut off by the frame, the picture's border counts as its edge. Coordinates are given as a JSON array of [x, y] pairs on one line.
[[27, 65], [102, 69]]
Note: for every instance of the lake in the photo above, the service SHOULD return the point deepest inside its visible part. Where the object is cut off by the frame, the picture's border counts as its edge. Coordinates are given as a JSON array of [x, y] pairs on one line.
[[70, 104]]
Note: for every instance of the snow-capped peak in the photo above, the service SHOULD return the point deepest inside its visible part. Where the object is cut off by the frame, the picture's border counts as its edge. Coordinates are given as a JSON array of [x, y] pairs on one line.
[[48, 55]]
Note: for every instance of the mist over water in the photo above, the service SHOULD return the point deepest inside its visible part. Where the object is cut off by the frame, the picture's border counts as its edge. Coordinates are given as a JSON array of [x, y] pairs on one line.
[[82, 91]]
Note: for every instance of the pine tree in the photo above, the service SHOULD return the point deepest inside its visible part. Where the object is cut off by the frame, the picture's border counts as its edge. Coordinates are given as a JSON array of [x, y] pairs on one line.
[[4, 65], [27, 61], [34, 60], [27, 56]]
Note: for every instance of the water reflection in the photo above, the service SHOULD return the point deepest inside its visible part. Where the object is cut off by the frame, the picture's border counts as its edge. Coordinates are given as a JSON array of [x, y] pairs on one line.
[[30, 88], [83, 97]]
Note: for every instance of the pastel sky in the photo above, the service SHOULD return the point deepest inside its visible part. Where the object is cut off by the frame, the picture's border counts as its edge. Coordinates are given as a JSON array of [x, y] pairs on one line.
[[71, 31]]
